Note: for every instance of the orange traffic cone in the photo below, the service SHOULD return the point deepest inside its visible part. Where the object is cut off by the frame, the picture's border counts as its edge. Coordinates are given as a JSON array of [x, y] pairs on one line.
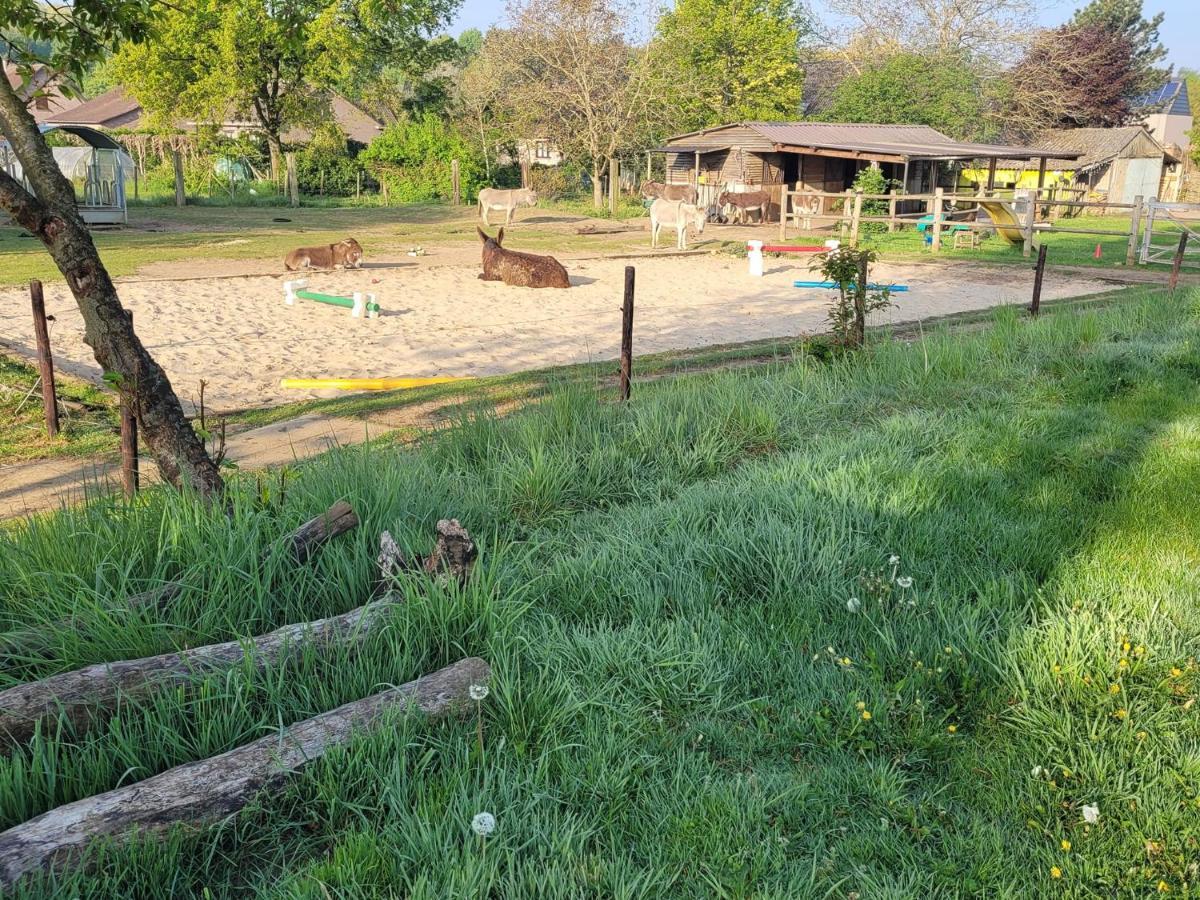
[[1096, 255]]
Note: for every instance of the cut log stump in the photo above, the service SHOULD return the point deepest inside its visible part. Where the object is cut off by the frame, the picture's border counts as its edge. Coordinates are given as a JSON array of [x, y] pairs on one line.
[[454, 552], [199, 792], [86, 696]]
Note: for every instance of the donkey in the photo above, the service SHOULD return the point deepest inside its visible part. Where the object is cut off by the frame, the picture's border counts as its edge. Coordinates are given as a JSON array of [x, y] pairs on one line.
[[508, 201], [745, 202], [519, 269], [677, 215], [654, 190]]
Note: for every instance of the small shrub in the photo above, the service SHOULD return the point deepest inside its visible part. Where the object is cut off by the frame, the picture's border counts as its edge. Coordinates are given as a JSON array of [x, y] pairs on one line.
[[412, 157], [843, 266]]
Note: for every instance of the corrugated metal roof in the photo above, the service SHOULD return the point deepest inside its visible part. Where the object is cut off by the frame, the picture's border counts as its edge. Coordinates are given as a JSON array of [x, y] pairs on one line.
[[1094, 146], [910, 141]]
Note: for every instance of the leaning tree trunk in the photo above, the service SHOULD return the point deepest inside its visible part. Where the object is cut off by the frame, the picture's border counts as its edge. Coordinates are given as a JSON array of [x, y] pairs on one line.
[[52, 217]]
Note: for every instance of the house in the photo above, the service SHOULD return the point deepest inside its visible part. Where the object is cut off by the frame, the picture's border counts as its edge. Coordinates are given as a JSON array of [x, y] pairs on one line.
[[1117, 164], [43, 92], [118, 110], [1167, 114], [821, 156]]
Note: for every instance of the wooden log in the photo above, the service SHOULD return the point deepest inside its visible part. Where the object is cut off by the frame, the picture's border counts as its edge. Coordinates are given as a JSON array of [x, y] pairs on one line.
[[1035, 304], [86, 696], [41, 333], [336, 520], [210, 789], [455, 552], [1177, 262], [627, 335]]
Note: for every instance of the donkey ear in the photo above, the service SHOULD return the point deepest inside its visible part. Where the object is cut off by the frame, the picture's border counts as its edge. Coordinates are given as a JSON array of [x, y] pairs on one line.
[[499, 237], [482, 236]]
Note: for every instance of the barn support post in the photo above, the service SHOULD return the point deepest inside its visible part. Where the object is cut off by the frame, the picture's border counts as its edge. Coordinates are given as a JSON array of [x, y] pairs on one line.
[[904, 182], [1041, 174], [991, 179], [937, 219], [1135, 225], [696, 170]]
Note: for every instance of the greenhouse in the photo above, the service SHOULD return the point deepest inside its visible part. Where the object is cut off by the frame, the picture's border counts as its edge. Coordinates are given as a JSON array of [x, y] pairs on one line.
[[97, 170]]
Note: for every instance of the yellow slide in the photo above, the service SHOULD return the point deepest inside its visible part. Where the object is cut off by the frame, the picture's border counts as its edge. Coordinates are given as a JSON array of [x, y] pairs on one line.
[[1004, 218], [364, 384]]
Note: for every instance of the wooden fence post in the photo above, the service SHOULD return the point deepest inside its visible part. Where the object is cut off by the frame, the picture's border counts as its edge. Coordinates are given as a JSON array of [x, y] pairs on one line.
[[847, 212], [937, 219], [1135, 225], [292, 182], [860, 302], [614, 185], [783, 213], [45, 360], [1177, 263], [627, 336], [1039, 270], [180, 194], [891, 210], [1030, 215], [357, 185], [455, 187], [129, 437], [856, 217]]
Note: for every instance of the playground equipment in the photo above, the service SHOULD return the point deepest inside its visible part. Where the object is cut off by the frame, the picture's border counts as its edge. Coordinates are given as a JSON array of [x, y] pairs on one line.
[[365, 384], [1004, 219], [358, 303], [756, 249], [894, 288]]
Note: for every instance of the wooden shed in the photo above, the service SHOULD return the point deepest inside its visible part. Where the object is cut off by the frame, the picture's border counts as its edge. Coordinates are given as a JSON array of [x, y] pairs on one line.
[[819, 156]]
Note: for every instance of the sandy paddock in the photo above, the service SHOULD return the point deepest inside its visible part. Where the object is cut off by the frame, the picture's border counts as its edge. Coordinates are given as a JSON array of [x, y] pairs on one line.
[[440, 319]]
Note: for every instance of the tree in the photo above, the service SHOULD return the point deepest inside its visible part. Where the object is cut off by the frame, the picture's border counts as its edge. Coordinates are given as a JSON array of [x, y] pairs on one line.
[[1123, 18], [977, 29], [274, 59], [576, 78], [67, 39], [943, 92], [731, 60], [1072, 77]]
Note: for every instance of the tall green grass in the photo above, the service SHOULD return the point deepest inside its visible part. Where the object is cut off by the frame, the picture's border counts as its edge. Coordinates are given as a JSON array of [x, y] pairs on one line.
[[681, 681]]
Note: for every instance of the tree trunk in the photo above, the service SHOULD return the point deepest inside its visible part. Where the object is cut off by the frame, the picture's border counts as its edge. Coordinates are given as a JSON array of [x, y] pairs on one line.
[[53, 218], [214, 788], [597, 188], [275, 147]]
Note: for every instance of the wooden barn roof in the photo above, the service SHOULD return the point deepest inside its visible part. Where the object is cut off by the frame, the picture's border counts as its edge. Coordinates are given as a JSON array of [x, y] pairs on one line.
[[887, 143]]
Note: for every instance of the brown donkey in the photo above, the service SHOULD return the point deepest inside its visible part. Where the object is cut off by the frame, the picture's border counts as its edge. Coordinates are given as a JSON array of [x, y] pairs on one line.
[[519, 269]]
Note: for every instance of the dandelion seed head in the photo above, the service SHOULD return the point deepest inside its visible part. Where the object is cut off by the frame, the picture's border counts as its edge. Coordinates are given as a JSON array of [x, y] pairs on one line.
[[853, 604], [478, 692], [893, 560], [483, 824], [904, 581], [1091, 813]]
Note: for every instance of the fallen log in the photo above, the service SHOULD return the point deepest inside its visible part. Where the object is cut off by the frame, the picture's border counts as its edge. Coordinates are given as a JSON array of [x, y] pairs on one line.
[[455, 552], [304, 541], [200, 792], [85, 696]]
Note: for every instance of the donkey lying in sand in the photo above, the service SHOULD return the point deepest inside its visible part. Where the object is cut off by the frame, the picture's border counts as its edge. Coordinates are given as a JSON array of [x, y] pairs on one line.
[[742, 203], [673, 214], [348, 254], [654, 190], [519, 269], [508, 201]]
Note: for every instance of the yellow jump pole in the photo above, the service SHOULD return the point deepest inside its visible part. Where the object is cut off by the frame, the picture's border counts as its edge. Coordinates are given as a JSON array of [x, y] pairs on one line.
[[365, 384]]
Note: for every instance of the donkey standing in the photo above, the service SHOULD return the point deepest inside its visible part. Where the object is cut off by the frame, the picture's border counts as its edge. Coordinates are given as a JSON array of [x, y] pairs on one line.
[[678, 215]]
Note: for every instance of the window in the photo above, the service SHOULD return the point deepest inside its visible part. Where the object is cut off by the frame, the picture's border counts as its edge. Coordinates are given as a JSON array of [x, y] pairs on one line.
[[542, 150]]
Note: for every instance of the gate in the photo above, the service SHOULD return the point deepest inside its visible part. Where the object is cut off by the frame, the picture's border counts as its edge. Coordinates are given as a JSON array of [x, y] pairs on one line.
[[1161, 247]]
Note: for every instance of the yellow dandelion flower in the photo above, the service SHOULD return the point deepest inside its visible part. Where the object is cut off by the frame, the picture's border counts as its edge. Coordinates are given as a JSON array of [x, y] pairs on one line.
[[1066, 845], [1163, 887], [948, 649], [1125, 646], [1056, 668], [1055, 872], [845, 660], [1087, 679], [918, 664], [866, 714], [953, 729], [860, 705], [1141, 735], [1121, 713], [1176, 671], [1066, 773], [1139, 650], [1123, 664], [1114, 688]]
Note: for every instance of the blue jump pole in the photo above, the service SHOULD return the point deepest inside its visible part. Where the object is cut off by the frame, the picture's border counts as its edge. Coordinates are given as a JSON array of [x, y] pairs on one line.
[[895, 288]]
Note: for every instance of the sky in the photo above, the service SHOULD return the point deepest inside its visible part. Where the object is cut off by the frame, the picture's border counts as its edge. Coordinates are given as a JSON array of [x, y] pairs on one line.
[[1180, 32]]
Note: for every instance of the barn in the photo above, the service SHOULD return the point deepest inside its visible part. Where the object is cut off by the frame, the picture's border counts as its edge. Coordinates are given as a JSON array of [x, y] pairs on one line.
[[821, 156]]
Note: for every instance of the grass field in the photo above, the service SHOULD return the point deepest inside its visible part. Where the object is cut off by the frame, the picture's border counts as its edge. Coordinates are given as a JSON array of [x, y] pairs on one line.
[[88, 423], [710, 680]]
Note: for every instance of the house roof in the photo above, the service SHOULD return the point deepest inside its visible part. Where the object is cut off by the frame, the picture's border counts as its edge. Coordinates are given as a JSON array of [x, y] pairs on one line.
[[865, 139], [1092, 146], [117, 109], [1170, 99], [42, 94]]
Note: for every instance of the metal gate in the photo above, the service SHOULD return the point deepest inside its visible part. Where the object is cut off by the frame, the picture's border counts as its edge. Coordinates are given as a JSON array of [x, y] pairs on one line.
[[1160, 247]]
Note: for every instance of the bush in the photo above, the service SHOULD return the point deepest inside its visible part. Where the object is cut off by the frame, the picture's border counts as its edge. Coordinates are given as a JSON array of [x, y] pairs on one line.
[[872, 181], [326, 166], [412, 158]]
